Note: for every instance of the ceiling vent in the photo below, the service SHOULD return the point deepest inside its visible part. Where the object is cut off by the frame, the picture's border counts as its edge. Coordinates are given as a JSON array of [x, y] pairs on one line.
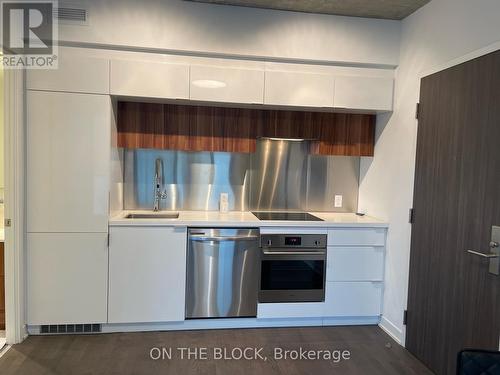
[[71, 15]]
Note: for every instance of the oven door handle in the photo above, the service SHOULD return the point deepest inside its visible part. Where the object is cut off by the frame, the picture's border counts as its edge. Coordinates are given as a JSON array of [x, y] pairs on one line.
[[293, 252]]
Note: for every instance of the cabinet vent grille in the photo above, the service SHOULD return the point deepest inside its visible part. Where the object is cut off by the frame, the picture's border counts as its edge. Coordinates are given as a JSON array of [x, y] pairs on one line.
[[52, 329]]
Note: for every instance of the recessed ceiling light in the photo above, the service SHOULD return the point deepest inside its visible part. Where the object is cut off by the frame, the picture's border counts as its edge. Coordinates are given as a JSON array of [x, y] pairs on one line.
[[209, 83]]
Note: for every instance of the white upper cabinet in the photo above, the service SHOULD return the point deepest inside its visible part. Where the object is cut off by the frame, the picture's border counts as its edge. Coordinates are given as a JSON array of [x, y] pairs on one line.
[[74, 74], [67, 277], [299, 89], [147, 274], [364, 93], [228, 85], [68, 158], [149, 79]]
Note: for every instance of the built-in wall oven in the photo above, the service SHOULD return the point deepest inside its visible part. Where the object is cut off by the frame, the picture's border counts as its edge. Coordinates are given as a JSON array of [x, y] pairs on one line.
[[293, 268]]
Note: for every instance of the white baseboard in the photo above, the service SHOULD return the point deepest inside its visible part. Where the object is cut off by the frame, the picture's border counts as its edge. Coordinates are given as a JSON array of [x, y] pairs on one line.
[[352, 321], [392, 330], [197, 324], [3, 347]]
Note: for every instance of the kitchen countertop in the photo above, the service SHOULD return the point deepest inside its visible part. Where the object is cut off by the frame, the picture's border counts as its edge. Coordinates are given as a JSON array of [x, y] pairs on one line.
[[243, 219]]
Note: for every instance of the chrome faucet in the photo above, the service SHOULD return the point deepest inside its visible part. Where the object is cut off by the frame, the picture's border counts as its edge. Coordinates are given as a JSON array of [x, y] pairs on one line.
[[159, 194]]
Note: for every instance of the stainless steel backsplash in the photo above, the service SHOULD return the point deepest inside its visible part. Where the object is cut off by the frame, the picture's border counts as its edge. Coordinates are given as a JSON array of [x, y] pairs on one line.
[[280, 175], [193, 180]]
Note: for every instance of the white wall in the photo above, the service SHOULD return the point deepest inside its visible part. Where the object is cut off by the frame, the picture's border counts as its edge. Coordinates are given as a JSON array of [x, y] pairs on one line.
[[228, 30], [442, 30]]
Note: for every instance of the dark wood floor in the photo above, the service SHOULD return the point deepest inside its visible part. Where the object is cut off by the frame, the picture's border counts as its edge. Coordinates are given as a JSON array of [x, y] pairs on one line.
[[372, 352]]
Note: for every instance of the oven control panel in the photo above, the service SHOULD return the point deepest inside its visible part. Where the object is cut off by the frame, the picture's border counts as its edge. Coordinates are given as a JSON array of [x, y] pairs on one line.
[[293, 241]]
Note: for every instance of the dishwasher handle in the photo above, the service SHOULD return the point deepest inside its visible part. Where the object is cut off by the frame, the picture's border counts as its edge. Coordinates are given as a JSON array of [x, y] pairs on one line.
[[223, 238]]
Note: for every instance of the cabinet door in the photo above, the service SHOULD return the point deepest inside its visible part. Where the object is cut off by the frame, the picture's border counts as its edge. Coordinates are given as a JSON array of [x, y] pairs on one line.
[[228, 85], [356, 237], [149, 79], [68, 156], [299, 89], [353, 299], [368, 93], [73, 74], [67, 276], [355, 264], [290, 310], [147, 274]]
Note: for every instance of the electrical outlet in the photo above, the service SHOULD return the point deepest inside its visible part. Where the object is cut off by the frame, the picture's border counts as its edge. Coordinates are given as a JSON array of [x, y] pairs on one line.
[[224, 202], [338, 201]]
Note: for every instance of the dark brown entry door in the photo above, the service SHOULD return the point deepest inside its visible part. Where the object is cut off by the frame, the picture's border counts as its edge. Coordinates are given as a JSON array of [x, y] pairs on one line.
[[453, 301]]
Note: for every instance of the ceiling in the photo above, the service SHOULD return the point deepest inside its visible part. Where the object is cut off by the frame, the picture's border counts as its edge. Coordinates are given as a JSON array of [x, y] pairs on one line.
[[388, 9]]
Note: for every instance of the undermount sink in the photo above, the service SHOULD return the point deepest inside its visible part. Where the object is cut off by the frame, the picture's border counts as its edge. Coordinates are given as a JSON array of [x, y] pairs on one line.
[[169, 215]]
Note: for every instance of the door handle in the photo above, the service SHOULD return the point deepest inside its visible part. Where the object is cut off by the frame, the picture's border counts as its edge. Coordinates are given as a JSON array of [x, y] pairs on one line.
[[493, 245], [483, 255], [494, 255]]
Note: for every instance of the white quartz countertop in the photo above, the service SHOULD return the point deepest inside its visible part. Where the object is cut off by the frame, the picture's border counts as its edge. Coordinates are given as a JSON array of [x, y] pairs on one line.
[[243, 219]]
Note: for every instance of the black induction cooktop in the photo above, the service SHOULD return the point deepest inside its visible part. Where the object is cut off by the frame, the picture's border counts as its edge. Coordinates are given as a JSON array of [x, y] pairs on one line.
[[286, 216]]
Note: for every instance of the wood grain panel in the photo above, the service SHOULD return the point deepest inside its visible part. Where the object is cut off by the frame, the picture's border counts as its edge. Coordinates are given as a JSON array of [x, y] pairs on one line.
[[203, 128], [241, 130], [176, 128], [141, 124], [453, 302]]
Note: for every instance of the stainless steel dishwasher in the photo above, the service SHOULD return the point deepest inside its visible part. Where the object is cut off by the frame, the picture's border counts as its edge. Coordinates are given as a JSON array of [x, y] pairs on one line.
[[223, 271]]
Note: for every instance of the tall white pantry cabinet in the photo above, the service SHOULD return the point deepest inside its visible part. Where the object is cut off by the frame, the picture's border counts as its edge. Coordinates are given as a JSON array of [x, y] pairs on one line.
[[68, 153]]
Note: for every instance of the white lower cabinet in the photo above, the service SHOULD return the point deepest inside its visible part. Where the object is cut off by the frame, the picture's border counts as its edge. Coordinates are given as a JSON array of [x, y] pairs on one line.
[[290, 310], [67, 276], [353, 299], [355, 263], [356, 237], [147, 274]]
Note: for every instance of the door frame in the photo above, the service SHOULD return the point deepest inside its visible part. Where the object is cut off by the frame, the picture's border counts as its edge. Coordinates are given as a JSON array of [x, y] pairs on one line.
[[435, 69], [460, 60], [15, 197]]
